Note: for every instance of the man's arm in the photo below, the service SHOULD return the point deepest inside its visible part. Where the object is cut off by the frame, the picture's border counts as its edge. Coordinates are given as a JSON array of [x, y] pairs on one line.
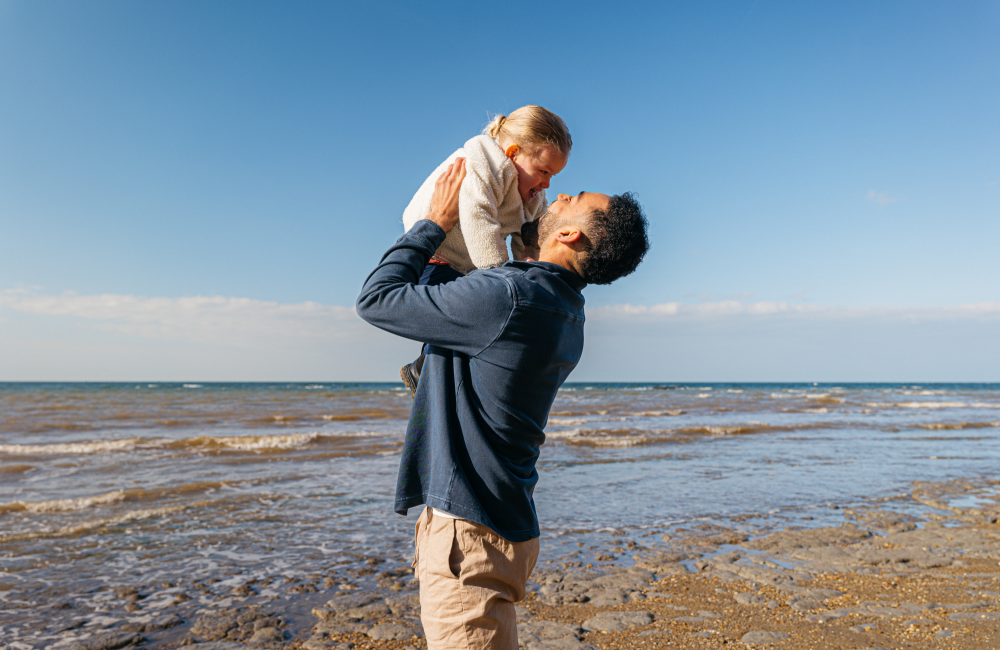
[[464, 315]]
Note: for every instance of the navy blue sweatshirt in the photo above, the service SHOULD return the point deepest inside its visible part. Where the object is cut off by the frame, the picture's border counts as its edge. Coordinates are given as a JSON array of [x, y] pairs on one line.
[[501, 342]]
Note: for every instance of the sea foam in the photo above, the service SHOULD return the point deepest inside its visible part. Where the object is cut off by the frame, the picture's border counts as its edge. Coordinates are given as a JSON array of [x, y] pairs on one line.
[[63, 505], [71, 448]]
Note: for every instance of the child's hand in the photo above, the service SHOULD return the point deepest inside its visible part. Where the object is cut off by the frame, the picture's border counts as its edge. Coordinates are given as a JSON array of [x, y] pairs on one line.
[[444, 202]]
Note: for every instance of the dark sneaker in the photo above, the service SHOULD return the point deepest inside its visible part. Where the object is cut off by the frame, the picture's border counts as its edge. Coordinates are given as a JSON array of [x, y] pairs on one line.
[[410, 378]]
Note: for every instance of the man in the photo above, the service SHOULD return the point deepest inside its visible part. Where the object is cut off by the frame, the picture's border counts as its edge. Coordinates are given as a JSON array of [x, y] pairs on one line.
[[500, 344]]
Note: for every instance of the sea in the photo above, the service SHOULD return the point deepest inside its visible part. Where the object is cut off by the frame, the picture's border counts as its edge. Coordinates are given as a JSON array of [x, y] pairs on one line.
[[201, 495]]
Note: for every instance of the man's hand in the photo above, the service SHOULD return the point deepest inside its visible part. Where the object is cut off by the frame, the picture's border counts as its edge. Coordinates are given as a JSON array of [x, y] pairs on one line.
[[444, 202]]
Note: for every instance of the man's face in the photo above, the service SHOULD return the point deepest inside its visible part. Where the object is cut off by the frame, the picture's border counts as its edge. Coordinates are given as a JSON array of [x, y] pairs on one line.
[[571, 208], [582, 204]]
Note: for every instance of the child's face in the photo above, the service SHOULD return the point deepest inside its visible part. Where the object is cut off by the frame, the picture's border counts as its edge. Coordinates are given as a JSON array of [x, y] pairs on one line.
[[535, 171]]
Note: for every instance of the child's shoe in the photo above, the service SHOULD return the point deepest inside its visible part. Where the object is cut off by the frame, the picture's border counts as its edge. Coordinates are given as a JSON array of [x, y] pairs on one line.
[[410, 377]]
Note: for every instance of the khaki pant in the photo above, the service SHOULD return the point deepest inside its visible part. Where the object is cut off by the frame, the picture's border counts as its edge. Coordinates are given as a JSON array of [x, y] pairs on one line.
[[470, 578]]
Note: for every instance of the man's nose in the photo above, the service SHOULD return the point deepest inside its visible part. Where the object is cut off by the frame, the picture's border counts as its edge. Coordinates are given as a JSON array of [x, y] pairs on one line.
[[562, 197]]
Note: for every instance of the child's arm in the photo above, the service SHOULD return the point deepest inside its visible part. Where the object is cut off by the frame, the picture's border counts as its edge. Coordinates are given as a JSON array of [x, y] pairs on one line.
[[490, 180], [478, 204]]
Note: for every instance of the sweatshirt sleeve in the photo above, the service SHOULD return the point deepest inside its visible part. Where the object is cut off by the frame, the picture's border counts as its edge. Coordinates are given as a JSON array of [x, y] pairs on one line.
[[420, 205], [483, 190], [465, 315]]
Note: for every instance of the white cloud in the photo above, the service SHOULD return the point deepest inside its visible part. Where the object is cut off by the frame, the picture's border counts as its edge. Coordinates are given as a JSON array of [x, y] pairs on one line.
[[880, 198], [108, 337], [780, 341], [728, 308], [121, 337], [229, 322]]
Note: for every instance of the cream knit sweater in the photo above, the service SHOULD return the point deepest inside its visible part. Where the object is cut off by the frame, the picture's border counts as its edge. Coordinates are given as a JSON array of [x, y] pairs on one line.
[[489, 208]]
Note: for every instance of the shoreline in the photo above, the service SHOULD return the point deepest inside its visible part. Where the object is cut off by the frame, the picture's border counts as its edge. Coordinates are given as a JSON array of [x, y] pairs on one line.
[[917, 572], [884, 580]]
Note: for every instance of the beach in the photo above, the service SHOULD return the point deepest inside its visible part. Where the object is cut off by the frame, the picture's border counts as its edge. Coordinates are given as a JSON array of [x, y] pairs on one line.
[[842, 516]]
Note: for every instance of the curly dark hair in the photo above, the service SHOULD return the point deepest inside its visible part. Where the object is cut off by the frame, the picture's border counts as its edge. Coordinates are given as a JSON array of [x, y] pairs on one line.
[[618, 240]]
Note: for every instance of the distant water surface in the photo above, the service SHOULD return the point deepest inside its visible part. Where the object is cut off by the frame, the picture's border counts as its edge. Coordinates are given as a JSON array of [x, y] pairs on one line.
[[111, 484]]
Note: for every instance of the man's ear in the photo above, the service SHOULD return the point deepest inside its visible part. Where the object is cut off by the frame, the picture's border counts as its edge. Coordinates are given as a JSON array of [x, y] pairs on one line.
[[569, 234], [512, 152]]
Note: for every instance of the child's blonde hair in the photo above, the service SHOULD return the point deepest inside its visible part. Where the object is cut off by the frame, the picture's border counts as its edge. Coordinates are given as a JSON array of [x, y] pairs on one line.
[[530, 127]]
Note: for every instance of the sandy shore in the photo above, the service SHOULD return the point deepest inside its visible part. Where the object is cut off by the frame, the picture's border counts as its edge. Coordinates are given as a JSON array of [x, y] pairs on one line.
[[920, 572]]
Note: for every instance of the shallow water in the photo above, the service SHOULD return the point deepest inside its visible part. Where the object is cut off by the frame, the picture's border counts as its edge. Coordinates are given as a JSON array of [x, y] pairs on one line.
[[105, 486]]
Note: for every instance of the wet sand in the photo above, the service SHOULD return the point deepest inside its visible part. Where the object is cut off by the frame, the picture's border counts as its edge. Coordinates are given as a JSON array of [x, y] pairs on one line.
[[920, 572], [230, 515]]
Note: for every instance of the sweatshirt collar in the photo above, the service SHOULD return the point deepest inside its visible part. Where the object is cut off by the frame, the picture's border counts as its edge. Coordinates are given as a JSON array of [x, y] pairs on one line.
[[567, 276]]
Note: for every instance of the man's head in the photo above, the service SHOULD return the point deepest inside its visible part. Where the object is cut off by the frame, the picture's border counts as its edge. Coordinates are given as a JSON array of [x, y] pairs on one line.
[[599, 237]]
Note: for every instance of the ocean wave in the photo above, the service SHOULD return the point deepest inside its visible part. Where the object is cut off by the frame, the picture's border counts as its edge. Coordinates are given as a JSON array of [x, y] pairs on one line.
[[60, 506], [659, 414], [93, 524], [935, 405], [824, 398], [633, 437], [248, 443], [610, 437], [578, 413], [610, 441], [734, 430], [958, 426], [359, 414], [15, 469], [567, 422], [828, 399], [71, 448], [198, 443], [63, 505]]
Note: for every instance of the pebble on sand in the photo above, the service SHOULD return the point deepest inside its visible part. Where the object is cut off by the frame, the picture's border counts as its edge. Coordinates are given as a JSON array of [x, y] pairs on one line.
[[548, 635], [393, 632], [108, 641], [617, 621], [762, 637]]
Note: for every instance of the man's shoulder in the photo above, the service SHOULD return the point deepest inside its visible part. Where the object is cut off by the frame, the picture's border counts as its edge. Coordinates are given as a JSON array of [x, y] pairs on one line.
[[488, 284], [540, 284]]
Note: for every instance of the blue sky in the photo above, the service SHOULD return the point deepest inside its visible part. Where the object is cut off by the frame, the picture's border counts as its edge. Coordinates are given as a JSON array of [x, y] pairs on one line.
[[801, 164]]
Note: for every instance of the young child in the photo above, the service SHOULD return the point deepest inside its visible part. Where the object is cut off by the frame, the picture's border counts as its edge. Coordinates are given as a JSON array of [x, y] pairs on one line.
[[508, 168]]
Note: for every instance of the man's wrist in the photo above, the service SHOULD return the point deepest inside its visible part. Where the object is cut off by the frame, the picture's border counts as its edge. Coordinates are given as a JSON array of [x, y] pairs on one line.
[[444, 222], [435, 232]]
